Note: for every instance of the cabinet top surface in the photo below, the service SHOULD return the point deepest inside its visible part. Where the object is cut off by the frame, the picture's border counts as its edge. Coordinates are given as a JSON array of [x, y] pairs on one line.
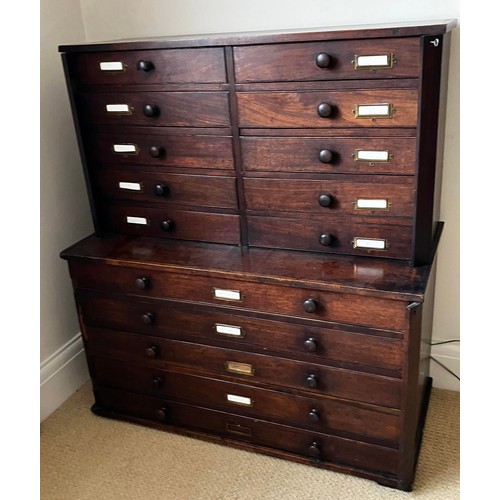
[[416, 28], [361, 275]]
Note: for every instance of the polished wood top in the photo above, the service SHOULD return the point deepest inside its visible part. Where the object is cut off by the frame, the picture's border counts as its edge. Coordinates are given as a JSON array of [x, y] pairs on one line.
[[360, 275]]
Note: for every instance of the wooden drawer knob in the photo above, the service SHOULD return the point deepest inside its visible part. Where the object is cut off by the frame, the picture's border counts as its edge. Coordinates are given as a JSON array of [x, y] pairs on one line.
[[314, 416], [157, 383], [156, 151], [323, 60], [160, 190], [310, 344], [310, 305], [151, 110], [145, 66], [152, 351], [161, 414], [325, 156], [325, 110], [312, 381], [167, 225], [148, 318], [142, 283], [314, 450], [326, 239], [325, 200]]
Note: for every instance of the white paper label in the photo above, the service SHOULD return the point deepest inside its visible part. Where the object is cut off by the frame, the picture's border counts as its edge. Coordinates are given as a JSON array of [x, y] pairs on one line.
[[374, 110], [382, 60], [219, 293], [228, 330], [137, 220], [372, 155], [124, 148], [371, 244], [375, 204], [111, 66], [130, 186], [240, 400], [117, 108]]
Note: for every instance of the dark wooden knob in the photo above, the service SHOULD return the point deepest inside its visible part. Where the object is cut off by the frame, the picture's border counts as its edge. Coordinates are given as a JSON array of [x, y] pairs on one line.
[[325, 110], [325, 156], [167, 225], [326, 239], [152, 351], [314, 450], [314, 416], [142, 283], [310, 344], [323, 60], [156, 151], [161, 414], [148, 318], [160, 189], [145, 66], [151, 110], [310, 305], [157, 383], [325, 200], [312, 381]]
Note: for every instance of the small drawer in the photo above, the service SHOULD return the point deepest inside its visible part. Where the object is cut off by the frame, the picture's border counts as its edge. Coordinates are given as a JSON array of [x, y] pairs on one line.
[[145, 67], [170, 223], [329, 60], [330, 155], [160, 149], [211, 325], [233, 294], [328, 109], [315, 445], [323, 415], [245, 366], [338, 237], [382, 196], [168, 189], [166, 109]]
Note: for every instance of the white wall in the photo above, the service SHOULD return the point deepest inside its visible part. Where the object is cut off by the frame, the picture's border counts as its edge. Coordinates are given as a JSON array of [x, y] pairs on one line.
[[64, 210]]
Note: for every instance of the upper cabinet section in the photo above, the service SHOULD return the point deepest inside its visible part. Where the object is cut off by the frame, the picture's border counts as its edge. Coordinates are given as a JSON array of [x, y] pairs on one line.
[[147, 67], [333, 60]]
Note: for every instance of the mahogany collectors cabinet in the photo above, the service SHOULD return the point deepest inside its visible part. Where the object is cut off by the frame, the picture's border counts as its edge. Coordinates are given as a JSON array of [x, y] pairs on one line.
[[261, 273]]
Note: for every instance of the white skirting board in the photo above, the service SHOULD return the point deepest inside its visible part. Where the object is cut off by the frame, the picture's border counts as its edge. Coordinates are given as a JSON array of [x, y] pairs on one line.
[[449, 356], [61, 375]]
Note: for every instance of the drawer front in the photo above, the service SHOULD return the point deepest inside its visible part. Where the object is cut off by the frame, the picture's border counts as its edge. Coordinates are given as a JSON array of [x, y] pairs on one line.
[[284, 300], [174, 224], [162, 150], [211, 325], [276, 436], [179, 109], [178, 189], [340, 237], [248, 367], [352, 155], [331, 60], [381, 196], [354, 108], [307, 413], [151, 67]]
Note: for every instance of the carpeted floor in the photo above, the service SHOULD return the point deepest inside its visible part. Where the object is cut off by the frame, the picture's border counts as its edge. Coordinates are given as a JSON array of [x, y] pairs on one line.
[[88, 457]]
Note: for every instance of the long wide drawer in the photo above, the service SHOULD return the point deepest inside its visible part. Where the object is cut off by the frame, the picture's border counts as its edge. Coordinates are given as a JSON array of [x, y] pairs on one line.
[[318, 379], [234, 294], [212, 325], [335, 236], [354, 108], [306, 443], [330, 155], [329, 60], [326, 416], [167, 109], [174, 224], [380, 195], [166, 188]]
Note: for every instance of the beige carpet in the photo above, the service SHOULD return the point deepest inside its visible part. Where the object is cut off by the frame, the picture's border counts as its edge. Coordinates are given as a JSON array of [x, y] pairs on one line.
[[88, 457]]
